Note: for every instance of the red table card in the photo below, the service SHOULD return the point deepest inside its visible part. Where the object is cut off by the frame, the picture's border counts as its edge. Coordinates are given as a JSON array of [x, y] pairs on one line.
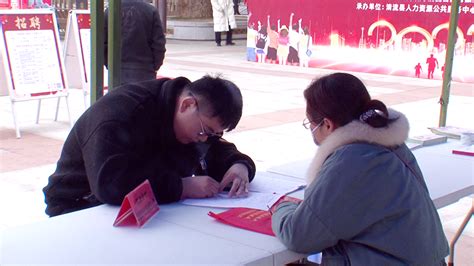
[[138, 206]]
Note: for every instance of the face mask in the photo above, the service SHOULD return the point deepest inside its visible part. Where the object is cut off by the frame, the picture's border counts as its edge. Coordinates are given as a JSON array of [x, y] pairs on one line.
[[314, 130]]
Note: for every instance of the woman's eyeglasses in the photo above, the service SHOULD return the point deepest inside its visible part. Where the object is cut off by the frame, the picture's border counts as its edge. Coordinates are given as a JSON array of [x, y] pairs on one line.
[[307, 124]]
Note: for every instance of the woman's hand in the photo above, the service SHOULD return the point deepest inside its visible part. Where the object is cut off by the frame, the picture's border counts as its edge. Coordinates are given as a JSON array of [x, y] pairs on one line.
[[284, 199]]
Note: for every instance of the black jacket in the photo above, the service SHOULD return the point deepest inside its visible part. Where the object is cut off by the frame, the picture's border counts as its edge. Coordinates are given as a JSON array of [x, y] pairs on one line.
[[143, 40], [125, 138]]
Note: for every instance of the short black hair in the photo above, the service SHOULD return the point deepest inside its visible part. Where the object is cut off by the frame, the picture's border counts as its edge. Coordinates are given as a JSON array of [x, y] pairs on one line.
[[220, 98]]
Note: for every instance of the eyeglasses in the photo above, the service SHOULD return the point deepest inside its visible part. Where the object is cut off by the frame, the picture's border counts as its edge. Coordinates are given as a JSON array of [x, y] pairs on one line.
[[307, 124], [204, 132]]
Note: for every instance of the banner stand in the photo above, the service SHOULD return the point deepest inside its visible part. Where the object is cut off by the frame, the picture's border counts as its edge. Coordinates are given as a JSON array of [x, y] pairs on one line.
[[15, 120], [32, 64], [77, 53]]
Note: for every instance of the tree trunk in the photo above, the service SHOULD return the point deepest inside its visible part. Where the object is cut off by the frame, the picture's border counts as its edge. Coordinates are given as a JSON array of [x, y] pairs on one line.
[[190, 8]]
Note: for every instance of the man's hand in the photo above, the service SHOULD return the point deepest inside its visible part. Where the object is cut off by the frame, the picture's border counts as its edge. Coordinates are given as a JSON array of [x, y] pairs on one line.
[[238, 175], [197, 187]]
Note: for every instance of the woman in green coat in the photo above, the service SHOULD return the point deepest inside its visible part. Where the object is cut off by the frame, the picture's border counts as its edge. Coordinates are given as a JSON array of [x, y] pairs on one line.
[[366, 202]]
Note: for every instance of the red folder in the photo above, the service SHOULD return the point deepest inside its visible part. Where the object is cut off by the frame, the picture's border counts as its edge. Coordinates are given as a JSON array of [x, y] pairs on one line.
[[252, 219], [247, 218]]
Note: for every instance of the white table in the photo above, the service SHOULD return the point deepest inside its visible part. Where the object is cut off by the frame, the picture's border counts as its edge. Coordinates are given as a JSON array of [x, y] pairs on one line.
[[178, 234], [448, 176]]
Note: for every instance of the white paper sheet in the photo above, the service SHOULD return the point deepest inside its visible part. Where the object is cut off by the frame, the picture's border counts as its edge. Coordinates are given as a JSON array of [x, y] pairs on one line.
[[256, 200], [264, 191], [269, 184]]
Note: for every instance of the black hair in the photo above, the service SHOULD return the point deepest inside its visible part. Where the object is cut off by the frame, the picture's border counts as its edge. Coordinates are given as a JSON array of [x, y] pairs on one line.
[[218, 97], [343, 98]]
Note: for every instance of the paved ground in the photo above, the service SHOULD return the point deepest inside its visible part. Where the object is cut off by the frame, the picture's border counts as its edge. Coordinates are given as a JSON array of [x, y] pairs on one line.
[[273, 111]]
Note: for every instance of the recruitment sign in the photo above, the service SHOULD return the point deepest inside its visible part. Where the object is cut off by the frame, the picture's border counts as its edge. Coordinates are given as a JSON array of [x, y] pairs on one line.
[[375, 36]]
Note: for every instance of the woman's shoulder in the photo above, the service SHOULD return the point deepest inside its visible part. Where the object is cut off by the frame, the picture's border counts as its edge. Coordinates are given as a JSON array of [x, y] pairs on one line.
[[361, 150]]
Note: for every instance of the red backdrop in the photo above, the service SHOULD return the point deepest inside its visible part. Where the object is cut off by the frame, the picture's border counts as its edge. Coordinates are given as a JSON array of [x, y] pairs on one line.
[[415, 28]]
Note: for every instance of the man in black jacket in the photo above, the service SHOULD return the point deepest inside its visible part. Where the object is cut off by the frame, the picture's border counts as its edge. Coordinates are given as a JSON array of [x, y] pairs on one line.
[[168, 131], [143, 41]]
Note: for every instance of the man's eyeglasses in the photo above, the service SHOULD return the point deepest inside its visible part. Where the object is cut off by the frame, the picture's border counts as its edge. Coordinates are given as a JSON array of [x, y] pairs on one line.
[[307, 124], [204, 132]]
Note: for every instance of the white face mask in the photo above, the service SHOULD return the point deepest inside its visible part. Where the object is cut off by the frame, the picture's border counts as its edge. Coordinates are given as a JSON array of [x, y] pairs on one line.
[[314, 130]]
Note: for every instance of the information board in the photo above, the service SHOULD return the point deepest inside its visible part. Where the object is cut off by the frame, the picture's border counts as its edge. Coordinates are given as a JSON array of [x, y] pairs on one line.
[[32, 63], [30, 50], [77, 52]]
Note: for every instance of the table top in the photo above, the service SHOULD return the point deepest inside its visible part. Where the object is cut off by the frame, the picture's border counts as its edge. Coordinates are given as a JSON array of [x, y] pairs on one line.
[[177, 234], [88, 237]]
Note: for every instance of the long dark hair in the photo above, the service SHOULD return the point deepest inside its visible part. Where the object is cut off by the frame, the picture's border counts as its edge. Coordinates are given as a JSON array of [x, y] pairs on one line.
[[342, 98]]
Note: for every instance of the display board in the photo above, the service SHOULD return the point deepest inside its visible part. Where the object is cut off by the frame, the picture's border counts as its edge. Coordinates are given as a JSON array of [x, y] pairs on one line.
[[77, 57], [77, 52], [32, 62], [376, 36], [30, 51]]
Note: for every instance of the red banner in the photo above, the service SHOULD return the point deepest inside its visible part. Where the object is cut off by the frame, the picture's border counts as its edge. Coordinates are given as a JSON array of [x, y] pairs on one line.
[[20, 22], [379, 36]]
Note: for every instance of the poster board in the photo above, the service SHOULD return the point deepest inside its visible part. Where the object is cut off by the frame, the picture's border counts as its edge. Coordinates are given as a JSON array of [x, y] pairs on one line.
[[33, 67], [77, 52], [77, 59], [30, 50]]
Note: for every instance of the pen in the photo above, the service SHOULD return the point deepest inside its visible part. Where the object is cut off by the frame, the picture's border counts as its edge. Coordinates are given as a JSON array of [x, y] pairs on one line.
[[295, 189]]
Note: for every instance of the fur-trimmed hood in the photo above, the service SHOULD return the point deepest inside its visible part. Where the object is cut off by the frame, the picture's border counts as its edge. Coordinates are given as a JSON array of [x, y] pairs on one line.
[[393, 135]]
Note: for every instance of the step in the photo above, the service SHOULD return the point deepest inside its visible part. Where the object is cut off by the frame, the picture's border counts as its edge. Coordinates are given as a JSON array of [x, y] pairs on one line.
[[201, 29]]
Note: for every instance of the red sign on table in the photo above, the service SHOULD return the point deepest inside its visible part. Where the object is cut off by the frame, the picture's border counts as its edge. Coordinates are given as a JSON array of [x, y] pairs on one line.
[[138, 206]]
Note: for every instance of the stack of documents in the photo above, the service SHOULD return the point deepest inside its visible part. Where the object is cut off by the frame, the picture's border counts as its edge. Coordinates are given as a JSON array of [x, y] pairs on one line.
[[425, 140]]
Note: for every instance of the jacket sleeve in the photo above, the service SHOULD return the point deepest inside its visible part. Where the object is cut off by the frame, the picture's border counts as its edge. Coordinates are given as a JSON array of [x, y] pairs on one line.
[[222, 155], [114, 168], [158, 41], [300, 229]]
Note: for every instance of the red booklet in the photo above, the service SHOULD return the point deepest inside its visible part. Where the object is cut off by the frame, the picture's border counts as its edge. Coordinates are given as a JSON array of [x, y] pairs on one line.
[[251, 219], [247, 218]]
